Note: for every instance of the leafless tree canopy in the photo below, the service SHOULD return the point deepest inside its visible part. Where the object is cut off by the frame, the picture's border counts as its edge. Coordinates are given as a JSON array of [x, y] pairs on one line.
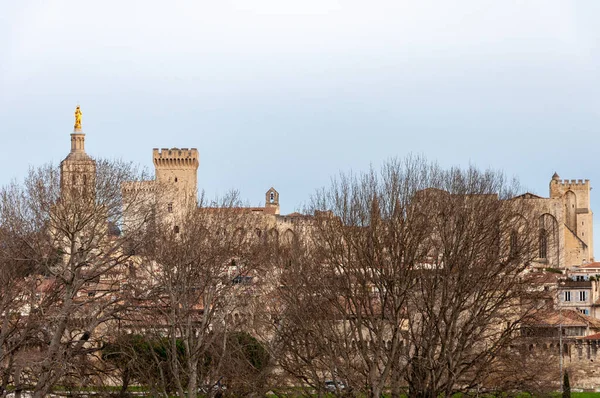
[[407, 279], [61, 256]]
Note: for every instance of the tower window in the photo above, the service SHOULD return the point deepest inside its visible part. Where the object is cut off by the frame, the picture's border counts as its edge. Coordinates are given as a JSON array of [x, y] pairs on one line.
[[175, 179], [170, 207], [176, 229]]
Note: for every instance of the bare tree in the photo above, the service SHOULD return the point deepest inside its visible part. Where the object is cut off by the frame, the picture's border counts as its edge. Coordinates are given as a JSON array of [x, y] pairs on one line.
[[18, 285], [68, 235], [407, 277], [346, 294], [469, 294], [197, 277]]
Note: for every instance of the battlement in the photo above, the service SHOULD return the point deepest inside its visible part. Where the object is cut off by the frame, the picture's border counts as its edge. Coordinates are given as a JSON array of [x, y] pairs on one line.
[[175, 157], [572, 182]]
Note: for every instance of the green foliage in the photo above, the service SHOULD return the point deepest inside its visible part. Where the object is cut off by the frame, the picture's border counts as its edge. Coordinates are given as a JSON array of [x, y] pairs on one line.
[[143, 359], [250, 349], [566, 386], [553, 270]]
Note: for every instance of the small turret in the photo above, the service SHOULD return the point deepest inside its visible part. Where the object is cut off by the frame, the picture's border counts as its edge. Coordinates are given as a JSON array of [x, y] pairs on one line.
[[272, 200]]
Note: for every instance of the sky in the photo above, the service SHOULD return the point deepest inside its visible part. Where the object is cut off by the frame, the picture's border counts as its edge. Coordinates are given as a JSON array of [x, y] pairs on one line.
[[289, 93]]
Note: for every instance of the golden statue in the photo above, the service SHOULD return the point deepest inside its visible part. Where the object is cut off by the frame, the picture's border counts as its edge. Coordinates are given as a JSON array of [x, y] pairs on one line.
[[77, 118]]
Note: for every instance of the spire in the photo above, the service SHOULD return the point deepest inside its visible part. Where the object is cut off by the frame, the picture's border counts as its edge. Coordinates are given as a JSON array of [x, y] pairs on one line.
[[555, 177]]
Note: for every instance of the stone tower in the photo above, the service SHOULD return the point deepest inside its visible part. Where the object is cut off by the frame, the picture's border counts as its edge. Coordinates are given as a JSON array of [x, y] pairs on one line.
[[78, 169], [272, 201], [577, 214], [176, 172]]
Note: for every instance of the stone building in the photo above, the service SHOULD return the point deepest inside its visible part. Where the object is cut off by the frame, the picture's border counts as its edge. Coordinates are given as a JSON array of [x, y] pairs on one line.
[[565, 224], [174, 193]]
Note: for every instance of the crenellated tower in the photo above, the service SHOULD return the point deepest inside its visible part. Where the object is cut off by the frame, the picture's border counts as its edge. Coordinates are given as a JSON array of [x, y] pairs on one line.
[[176, 172], [577, 214]]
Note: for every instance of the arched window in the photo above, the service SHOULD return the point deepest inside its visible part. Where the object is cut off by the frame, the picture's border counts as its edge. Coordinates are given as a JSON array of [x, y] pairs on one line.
[[543, 243]]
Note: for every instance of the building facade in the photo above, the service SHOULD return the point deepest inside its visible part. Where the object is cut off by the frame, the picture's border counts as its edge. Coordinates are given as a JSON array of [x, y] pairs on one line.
[[565, 222]]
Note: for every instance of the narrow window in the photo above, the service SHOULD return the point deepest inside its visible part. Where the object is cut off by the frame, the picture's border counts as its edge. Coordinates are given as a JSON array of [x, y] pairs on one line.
[[176, 229], [513, 242], [543, 244], [84, 180], [170, 207], [175, 179]]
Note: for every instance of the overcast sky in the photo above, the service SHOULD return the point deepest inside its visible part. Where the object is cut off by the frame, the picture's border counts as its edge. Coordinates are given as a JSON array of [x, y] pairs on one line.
[[288, 93]]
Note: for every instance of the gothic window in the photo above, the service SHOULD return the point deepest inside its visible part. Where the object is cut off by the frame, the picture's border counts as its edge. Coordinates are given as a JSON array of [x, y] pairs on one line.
[[170, 207], [543, 242]]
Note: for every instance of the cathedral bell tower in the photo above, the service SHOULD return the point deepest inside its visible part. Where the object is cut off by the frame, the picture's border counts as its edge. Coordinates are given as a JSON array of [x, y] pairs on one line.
[[78, 169]]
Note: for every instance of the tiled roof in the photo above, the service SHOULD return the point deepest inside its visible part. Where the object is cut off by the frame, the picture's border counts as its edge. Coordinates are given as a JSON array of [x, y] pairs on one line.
[[543, 277], [591, 265], [565, 318]]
